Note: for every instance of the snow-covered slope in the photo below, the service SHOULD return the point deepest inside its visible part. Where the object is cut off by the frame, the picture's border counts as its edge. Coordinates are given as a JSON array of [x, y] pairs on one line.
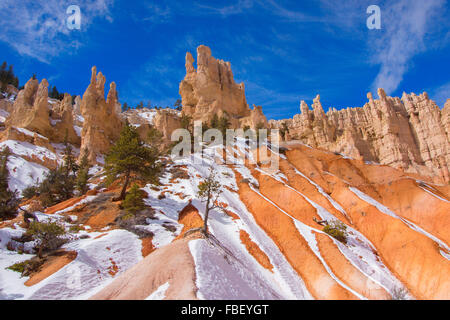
[[267, 243]]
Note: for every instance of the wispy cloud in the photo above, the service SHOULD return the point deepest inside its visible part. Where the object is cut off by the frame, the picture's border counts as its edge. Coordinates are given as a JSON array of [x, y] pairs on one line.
[[236, 8], [275, 104], [406, 24], [441, 94], [157, 13], [37, 28]]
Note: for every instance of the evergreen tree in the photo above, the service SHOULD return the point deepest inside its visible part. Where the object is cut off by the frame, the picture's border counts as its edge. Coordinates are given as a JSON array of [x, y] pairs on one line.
[[130, 156], [209, 191], [3, 76], [70, 165], [57, 186], [140, 105], [49, 235], [3, 67], [59, 183], [186, 122], [9, 200], [214, 123], [83, 175], [134, 200], [178, 105], [125, 107], [10, 74], [223, 125]]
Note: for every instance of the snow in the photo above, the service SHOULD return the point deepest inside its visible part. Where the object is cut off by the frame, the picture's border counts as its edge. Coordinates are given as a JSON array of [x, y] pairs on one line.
[[24, 173], [220, 276], [433, 194], [147, 115], [77, 130], [54, 122], [81, 278], [3, 115], [30, 133], [27, 149], [444, 254], [160, 293], [88, 199]]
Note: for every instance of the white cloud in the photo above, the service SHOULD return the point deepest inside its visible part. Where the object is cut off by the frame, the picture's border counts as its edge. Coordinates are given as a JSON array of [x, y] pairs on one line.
[[239, 7], [37, 28], [406, 25], [441, 94]]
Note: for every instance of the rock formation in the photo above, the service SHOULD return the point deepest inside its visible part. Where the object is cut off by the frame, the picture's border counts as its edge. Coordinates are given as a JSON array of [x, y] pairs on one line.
[[410, 133], [211, 90], [102, 125], [32, 110]]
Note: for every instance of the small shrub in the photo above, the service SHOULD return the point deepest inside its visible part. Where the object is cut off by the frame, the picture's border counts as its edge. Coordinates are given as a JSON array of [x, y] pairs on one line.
[[399, 294], [337, 230], [18, 267], [30, 192], [9, 200], [127, 216], [75, 228], [48, 234], [27, 267]]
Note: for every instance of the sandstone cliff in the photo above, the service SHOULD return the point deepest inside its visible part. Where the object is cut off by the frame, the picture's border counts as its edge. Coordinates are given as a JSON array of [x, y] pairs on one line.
[[102, 124], [410, 133], [210, 89]]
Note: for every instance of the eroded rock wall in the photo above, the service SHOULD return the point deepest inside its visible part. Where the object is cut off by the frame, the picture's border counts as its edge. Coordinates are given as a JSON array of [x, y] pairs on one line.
[[410, 133]]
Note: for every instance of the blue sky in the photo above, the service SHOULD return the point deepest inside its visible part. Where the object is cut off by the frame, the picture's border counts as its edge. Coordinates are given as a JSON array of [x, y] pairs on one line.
[[284, 51]]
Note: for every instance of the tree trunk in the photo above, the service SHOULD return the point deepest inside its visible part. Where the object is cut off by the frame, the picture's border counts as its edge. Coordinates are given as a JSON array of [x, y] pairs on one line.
[[205, 226], [124, 189], [40, 251]]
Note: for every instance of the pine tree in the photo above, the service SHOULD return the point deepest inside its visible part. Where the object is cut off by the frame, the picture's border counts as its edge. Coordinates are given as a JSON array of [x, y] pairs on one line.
[[223, 125], [49, 235], [57, 186], [214, 123], [59, 183], [209, 191], [125, 107], [130, 156], [9, 200], [134, 200], [83, 175], [178, 105], [186, 122], [70, 165], [3, 76]]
